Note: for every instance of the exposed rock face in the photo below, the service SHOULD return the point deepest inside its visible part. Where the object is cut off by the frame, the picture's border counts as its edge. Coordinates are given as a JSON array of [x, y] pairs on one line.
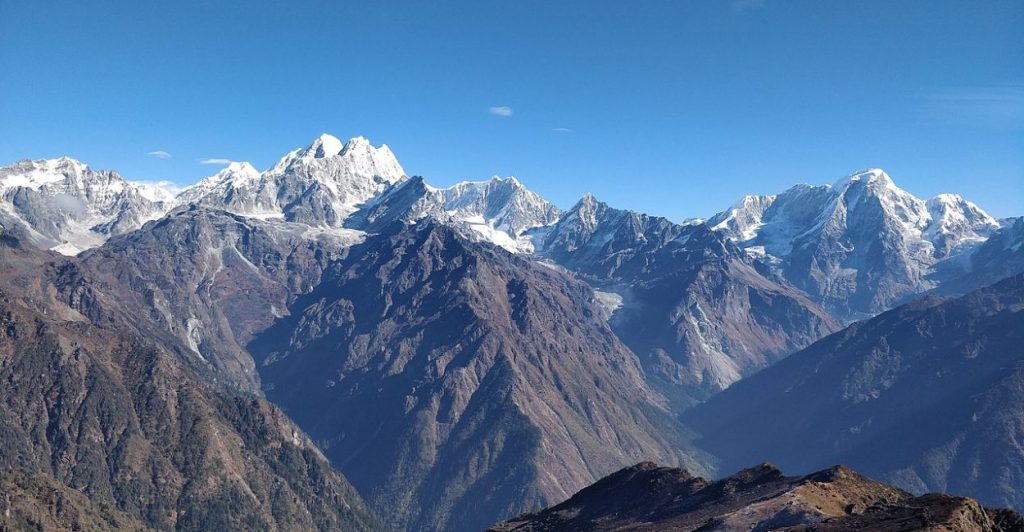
[[648, 497], [206, 281], [116, 416], [699, 311], [861, 245], [999, 257], [928, 396], [320, 185], [456, 384], [500, 211], [65, 205]]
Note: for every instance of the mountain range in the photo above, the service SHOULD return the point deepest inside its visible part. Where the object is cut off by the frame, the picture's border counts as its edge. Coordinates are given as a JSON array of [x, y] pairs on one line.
[[458, 356]]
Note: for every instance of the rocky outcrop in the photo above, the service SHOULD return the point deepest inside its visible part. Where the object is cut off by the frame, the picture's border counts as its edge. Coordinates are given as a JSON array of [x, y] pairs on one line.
[[648, 497]]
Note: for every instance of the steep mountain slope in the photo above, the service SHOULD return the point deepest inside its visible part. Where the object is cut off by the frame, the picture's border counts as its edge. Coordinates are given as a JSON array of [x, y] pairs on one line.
[[699, 312], [861, 245], [927, 396], [37, 502], [206, 281], [648, 497], [65, 205], [456, 384], [113, 415], [319, 185]]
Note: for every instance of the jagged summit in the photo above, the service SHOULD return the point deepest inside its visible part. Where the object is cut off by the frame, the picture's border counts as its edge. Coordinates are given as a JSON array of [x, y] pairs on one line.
[[319, 185], [64, 205], [358, 153], [861, 244], [870, 176], [234, 172], [327, 145]]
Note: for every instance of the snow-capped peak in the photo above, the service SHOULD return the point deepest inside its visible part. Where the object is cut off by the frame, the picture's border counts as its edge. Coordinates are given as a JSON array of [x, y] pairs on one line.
[[588, 200], [744, 217], [864, 222], [870, 176], [500, 209], [955, 222], [326, 145], [65, 205], [319, 185], [37, 173], [237, 171], [358, 156]]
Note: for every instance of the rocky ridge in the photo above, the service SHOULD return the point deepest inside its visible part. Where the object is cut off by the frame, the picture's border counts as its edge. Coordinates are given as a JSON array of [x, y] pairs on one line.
[[649, 497]]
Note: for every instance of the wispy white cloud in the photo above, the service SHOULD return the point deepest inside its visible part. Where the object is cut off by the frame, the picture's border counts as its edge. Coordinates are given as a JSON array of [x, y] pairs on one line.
[[562, 130], [159, 154], [739, 6], [215, 161], [500, 110], [993, 105]]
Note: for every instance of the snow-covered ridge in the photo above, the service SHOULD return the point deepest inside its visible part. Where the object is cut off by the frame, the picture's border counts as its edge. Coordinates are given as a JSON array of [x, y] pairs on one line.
[[319, 185], [64, 205], [944, 222], [861, 223], [499, 210]]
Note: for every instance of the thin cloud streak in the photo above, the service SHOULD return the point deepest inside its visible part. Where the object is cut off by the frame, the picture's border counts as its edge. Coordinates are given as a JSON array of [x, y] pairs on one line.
[[995, 105], [159, 154], [500, 110], [215, 161]]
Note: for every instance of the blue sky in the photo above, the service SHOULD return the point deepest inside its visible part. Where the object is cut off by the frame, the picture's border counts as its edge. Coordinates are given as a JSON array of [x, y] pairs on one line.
[[675, 108]]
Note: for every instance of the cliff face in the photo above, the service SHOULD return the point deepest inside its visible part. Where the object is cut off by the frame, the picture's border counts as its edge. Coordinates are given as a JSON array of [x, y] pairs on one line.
[[482, 383], [117, 417]]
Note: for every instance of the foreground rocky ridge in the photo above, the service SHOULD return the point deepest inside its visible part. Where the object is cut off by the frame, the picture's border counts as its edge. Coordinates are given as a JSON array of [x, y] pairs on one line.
[[648, 497]]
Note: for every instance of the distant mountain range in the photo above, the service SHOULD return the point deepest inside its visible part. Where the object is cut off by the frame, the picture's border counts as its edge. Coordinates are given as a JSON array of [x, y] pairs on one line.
[[462, 355]]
